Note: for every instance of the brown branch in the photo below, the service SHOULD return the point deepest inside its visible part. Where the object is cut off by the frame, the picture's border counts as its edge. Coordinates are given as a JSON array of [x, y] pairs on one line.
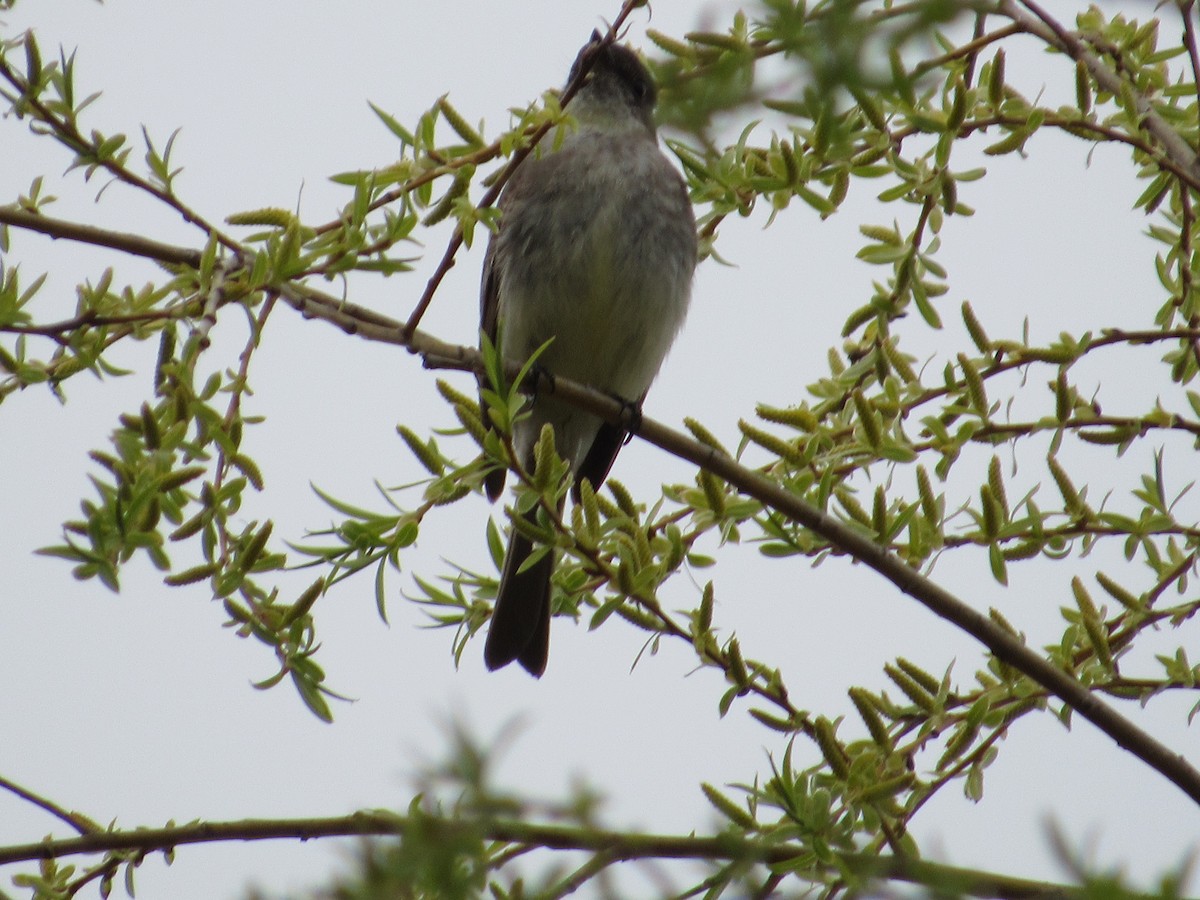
[[56, 330], [80, 823], [106, 869], [934, 597], [969, 50], [438, 354], [614, 845], [1071, 531], [482, 155], [1121, 688], [1173, 575], [353, 319], [101, 237]]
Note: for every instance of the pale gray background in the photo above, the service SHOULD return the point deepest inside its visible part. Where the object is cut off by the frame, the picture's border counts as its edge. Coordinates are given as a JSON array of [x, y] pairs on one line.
[[139, 707]]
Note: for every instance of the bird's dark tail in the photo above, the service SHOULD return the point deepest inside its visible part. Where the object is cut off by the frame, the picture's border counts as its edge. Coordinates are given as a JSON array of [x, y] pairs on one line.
[[520, 628]]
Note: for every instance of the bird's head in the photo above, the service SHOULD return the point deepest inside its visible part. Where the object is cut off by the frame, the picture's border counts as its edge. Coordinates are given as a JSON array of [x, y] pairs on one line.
[[616, 88]]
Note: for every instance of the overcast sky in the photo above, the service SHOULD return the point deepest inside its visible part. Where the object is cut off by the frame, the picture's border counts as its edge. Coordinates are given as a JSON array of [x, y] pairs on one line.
[[138, 707]]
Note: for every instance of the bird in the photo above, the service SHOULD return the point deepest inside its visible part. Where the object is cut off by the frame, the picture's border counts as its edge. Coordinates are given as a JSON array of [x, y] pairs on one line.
[[594, 252]]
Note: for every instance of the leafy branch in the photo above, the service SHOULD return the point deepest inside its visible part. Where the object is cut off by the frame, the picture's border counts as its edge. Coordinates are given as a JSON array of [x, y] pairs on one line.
[[849, 470], [423, 829]]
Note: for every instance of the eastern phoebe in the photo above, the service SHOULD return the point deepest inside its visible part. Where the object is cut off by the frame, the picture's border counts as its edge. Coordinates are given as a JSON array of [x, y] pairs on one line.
[[596, 248]]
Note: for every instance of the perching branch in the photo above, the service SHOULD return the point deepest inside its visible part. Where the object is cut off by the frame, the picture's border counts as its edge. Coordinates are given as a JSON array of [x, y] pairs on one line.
[[937, 599], [435, 353]]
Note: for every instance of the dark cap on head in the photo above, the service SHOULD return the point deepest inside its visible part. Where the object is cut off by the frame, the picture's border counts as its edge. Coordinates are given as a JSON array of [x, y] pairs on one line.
[[615, 69]]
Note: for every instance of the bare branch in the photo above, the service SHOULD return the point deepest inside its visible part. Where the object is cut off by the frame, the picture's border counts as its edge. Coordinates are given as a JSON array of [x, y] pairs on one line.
[[134, 244], [79, 822]]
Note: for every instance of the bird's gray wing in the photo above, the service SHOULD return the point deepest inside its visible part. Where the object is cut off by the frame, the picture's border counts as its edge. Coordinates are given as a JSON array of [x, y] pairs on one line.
[[489, 315]]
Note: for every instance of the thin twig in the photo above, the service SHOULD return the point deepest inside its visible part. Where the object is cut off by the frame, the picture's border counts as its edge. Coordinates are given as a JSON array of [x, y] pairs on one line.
[[596, 864], [107, 868], [474, 158], [134, 244], [233, 410], [80, 823], [969, 50], [767, 889], [58, 330]]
